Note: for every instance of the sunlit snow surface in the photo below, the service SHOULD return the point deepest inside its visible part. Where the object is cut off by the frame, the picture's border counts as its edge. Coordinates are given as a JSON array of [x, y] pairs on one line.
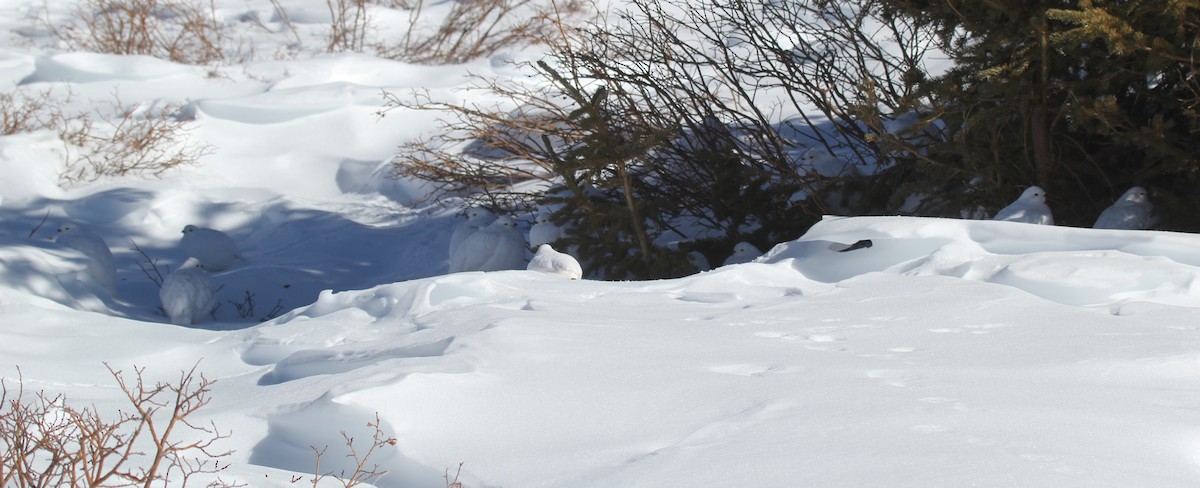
[[948, 354]]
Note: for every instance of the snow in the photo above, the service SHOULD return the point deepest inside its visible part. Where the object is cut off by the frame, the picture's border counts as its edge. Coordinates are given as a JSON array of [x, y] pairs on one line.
[[949, 353]]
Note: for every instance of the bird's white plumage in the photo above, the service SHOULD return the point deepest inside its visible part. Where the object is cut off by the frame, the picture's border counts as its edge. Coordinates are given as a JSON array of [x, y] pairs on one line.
[[547, 260], [543, 230], [743, 252], [1030, 208], [214, 249], [187, 294], [477, 218], [1132, 211], [499, 246], [697, 259], [101, 265]]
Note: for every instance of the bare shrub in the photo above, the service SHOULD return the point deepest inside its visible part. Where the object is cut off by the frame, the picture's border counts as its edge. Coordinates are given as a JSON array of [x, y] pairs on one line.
[[453, 483], [481, 151], [138, 142], [478, 28], [365, 471], [28, 112], [348, 28], [178, 30], [246, 308], [46, 442], [672, 123]]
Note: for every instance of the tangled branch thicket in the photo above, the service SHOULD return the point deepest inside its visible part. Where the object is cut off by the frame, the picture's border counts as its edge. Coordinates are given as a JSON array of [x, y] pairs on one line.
[[139, 141], [679, 127], [179, 30], [348, 26], [46, 442], [131, 141], [364, 469], [21, 111], [477, 28]]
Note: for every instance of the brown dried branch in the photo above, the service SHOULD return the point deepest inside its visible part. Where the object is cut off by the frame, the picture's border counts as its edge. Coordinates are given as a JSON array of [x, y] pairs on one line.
[[185, 32], [46, 442]]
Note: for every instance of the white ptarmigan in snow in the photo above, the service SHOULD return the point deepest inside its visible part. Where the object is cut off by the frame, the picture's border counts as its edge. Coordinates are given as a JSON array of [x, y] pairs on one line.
[[543, 230], [101, 265], [477, 218], [743, 252], [499, 246], [697, 259], [547, 260], [214, 249], [1030, 208], [187, 293], [1132, 211]]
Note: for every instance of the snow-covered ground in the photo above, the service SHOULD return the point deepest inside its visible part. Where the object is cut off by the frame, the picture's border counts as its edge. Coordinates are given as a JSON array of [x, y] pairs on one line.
[[949, 353]]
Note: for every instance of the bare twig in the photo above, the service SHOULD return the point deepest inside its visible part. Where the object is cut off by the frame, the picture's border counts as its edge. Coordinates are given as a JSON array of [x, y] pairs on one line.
[[453, 483], [156, 277], [39, 224], [364, 471]]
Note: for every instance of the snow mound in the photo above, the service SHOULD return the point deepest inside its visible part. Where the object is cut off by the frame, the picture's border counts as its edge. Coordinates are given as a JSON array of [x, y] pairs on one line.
[[1072, 266]]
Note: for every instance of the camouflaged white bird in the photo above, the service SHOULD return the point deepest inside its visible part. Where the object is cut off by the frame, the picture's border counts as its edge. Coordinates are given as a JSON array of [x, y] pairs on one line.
[[101, 265], [1030, 208], [547, 260], [187, 294], [477, 218], [1132, 211], [214, 249], [499, 246], [543, 230], [743, 252], [697, 259]]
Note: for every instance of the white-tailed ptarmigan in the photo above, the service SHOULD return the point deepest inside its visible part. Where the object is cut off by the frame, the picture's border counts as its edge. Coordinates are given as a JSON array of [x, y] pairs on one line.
[[743, 252], [1030, 208], [499, 246], [1132, 211], [543, 230], [187, 293], [101, 265], [477, 218], [697, 259], [547, 260], [215, 250]]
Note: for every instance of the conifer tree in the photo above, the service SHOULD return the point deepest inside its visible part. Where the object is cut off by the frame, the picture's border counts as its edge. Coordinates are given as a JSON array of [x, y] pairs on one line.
[[603, 204], [1081, 97]]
